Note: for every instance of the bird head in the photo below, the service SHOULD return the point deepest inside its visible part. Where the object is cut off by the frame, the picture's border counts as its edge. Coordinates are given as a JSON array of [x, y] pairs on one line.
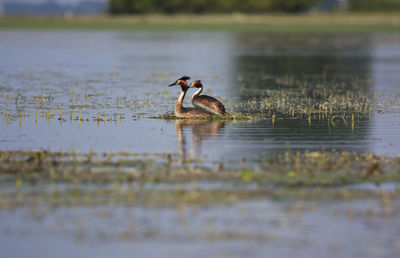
[[196, 84], [181, 81]]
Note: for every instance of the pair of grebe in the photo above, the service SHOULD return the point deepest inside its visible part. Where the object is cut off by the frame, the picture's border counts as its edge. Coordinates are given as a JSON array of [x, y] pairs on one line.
[[204, 105]]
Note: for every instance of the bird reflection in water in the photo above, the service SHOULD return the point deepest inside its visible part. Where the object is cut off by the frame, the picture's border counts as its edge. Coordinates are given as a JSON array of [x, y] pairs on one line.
[[201, 130]]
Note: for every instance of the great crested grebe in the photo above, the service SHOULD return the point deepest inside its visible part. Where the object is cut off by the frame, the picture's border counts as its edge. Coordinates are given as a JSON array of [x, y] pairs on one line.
[[206, 103], [180, 110]]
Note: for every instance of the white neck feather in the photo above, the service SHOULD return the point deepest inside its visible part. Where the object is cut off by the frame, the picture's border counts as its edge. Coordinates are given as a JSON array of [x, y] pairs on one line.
[[180, 99], [197, 93]]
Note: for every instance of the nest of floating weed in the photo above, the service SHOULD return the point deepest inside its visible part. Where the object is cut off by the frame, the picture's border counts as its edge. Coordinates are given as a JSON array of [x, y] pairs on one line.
[[231, 116]]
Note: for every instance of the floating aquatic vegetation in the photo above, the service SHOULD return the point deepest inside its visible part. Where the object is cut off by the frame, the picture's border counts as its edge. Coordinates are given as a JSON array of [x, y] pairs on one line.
[[311, 99], [315, 98], [288, 169], [126, 178], [231, 116]]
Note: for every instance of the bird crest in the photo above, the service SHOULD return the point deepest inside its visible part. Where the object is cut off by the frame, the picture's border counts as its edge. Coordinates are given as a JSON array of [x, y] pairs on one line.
[[181, 81], [184, 78]]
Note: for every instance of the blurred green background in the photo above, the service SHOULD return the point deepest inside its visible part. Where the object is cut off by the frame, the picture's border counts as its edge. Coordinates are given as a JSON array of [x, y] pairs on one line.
[[209, 6], [46, 7], [247, 6]]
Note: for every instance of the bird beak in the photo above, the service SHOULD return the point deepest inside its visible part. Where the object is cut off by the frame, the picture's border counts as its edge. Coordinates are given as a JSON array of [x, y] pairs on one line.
[[191, 85], [174, 83]]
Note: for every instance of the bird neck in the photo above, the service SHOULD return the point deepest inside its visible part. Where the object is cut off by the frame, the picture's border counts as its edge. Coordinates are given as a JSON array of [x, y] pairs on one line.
[[197, 93], [180, 99]]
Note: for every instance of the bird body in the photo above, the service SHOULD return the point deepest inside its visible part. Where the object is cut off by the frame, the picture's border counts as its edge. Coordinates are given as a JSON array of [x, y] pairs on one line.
[[187, 112], [206, 103]]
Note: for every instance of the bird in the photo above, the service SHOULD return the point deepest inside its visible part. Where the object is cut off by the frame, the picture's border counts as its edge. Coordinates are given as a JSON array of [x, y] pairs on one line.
[[186, 112], [206, 103]]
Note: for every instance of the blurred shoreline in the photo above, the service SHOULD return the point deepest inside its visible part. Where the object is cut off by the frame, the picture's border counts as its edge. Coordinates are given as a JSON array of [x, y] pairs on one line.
[[320, 22]]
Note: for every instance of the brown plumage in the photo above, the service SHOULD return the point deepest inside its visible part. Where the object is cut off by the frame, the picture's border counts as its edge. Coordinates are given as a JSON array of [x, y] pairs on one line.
[[180, 110], [206, 103]]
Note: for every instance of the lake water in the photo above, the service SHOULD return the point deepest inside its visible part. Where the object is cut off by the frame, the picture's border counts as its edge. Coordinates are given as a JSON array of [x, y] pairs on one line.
[[116, 82], [250, 229], [101, 70]]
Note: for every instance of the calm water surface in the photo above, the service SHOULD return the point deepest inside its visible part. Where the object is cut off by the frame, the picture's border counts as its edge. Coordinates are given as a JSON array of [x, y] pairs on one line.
[[125, 75], [103, 69], [246, 229]]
